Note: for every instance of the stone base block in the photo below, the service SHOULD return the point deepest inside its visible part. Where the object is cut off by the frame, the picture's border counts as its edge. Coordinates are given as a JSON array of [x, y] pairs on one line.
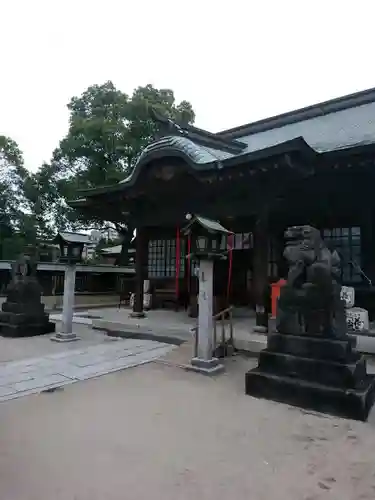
[[35, 309], [134, 314], [260, 329], [14, 330], [312, 347], [348, 373], [65, 337], [321, 373], [206, 367], [348, 403], [23, 318]]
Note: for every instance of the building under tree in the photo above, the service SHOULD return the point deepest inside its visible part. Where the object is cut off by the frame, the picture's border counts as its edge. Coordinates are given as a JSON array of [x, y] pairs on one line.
[[312, 166]]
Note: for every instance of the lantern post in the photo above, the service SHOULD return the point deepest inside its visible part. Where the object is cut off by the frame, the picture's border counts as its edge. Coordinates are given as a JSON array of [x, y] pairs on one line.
[[71, 248], [205, 236]]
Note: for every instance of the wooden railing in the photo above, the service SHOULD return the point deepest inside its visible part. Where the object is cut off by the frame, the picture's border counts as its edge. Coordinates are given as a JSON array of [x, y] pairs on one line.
[[225, 345]]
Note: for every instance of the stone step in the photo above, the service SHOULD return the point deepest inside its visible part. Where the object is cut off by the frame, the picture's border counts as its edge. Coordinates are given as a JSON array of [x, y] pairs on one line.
[[345, 374], [349, 403], [18, 308], [8, 330], [23, 318], [311, 347]]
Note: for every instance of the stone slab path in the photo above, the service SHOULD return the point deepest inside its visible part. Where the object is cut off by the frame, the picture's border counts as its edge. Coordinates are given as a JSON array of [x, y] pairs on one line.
[[29, 376]]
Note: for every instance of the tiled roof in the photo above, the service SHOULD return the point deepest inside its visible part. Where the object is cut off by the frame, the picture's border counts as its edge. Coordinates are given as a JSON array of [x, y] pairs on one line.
[[211, 225], [197, 153], [333, 125], [75, 237], [332, 131], [325, 127], [115, 250]]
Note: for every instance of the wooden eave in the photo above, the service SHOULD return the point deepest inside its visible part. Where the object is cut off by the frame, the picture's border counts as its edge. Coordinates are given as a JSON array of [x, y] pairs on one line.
[[294, 145]]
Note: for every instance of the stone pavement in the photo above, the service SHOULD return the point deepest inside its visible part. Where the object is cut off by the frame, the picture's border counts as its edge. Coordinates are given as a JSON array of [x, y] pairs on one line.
[[161, 323], [32, 375]]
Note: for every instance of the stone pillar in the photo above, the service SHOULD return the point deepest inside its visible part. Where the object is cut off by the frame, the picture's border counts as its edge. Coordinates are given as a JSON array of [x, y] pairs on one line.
[[141, 255], [66, 334], [204, 361], [260, 273]]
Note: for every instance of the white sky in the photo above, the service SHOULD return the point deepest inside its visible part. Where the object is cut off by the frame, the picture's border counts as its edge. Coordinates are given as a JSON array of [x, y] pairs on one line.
[[235, 61]]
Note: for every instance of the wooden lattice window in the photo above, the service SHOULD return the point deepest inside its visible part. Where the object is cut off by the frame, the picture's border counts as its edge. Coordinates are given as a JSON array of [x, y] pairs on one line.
[[347, 241], [162, 258]]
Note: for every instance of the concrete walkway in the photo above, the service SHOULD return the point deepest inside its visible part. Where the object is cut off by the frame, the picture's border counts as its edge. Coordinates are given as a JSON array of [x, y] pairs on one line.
[[162, 324], [32, 375]]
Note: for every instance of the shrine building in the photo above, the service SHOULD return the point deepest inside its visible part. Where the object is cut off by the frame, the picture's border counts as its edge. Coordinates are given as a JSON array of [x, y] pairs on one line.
[[312, 166]]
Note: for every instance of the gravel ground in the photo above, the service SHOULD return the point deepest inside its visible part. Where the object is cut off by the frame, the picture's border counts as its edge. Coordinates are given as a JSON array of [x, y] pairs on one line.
[[159, 432]]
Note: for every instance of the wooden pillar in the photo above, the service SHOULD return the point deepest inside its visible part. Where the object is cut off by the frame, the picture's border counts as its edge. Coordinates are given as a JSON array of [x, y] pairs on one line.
[[367, 244], [141, 258], [260, 271]]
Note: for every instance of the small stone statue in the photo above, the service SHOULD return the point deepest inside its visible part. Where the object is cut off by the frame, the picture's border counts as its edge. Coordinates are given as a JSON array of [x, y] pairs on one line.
[[23, 313], [310, 302]]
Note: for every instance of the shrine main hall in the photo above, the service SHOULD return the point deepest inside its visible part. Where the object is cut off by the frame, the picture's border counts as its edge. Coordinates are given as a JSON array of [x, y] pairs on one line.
[[313, 166]]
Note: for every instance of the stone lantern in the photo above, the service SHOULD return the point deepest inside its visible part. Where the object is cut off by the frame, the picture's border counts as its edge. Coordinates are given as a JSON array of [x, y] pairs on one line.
[[71, 248], [205, 243]]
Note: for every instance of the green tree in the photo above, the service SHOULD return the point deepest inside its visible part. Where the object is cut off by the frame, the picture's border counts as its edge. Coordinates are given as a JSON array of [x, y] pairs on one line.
[[17, 221], [107, 131]]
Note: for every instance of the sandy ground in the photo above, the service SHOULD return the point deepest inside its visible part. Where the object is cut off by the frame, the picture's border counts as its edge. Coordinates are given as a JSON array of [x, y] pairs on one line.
[[159, 432]]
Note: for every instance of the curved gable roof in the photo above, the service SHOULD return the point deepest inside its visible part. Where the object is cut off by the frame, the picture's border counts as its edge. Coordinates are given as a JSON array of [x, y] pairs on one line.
[[195, 154]]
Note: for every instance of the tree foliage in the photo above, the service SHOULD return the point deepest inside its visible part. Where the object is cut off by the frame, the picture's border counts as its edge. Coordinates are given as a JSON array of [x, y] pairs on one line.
[[18, 225], [107, 131]]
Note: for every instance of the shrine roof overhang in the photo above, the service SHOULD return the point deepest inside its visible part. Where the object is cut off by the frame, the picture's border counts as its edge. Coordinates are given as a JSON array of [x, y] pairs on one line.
[[202, 162], [198, 159]]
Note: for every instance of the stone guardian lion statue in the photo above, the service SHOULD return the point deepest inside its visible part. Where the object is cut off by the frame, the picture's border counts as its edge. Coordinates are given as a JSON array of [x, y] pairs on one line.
[[310, 301]]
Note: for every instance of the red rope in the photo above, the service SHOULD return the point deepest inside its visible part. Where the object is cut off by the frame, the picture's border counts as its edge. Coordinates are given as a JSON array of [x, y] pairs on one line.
[[230, 264], [178, 260], [188, 262]]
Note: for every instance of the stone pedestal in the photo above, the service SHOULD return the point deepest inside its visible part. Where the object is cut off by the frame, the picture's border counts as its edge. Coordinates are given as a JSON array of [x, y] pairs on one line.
[[204, 362], [323, 374], [66, 334], [22, 313]]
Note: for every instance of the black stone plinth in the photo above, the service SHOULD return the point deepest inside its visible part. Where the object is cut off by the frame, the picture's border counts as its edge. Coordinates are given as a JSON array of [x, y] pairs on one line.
[[22, 314], [26, 330], [317, 373]]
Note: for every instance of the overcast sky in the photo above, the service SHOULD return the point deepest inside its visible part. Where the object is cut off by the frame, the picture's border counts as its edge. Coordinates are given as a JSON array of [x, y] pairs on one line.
[[236, 61]]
